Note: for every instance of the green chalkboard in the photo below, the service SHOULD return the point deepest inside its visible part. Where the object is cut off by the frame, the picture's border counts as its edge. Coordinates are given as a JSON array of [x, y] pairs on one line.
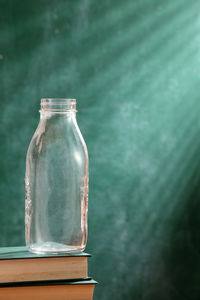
[[134, 68]]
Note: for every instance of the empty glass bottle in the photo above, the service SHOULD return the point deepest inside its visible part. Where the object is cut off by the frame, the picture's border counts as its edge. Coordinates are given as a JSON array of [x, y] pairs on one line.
[[56, 181]]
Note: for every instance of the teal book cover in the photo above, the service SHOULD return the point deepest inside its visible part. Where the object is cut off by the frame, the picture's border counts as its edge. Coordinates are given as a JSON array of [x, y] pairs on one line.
[[22, 252]]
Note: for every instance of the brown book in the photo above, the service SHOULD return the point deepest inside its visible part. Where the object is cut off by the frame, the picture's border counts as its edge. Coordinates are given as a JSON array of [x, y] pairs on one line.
[[50, 290], [18, 264]]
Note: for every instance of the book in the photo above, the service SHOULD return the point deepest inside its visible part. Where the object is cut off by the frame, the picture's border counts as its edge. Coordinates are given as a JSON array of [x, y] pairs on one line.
[[18, 264], [48, 290]]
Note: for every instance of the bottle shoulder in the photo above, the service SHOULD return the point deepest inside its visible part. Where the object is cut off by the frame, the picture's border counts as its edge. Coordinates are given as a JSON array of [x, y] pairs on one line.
[[55, 136]]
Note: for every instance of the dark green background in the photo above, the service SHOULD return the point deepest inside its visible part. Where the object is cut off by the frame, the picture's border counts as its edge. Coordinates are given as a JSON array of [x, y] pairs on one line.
[[134, 68]]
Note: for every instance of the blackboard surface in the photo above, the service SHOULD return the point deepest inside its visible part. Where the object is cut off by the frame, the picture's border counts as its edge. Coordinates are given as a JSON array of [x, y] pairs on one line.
[[134, 68]]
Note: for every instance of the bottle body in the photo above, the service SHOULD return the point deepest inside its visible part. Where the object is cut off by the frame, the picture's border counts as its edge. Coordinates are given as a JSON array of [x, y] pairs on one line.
[[56, 184]]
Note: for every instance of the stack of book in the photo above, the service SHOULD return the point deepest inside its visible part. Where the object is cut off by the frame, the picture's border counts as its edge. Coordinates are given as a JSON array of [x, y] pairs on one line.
[[27, 276]]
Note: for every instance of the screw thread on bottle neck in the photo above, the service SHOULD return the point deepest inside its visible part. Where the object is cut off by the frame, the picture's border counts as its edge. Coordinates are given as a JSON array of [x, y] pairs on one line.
[[60, 105]]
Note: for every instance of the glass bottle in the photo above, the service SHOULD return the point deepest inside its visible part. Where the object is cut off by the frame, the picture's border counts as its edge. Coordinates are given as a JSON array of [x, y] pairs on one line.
[[56, 182]]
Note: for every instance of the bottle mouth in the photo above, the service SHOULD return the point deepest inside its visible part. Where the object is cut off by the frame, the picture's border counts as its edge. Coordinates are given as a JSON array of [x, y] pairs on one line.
[[58, 104]]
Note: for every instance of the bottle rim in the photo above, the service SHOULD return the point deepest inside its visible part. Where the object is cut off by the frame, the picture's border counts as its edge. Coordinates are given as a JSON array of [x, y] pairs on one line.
[[58, 101]]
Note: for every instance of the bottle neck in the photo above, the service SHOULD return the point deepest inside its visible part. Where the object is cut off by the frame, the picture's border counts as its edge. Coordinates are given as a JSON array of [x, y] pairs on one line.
[[57, 107]]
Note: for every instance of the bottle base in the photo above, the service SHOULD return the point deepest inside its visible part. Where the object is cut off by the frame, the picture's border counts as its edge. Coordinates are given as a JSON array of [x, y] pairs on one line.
[[53, 248]]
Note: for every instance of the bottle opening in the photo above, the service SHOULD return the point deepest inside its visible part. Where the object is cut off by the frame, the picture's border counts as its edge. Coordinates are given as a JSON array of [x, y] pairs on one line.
[[58, 104]]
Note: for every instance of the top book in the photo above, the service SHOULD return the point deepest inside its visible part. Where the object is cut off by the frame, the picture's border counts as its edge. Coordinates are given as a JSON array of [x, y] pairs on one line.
[[17, 264]]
